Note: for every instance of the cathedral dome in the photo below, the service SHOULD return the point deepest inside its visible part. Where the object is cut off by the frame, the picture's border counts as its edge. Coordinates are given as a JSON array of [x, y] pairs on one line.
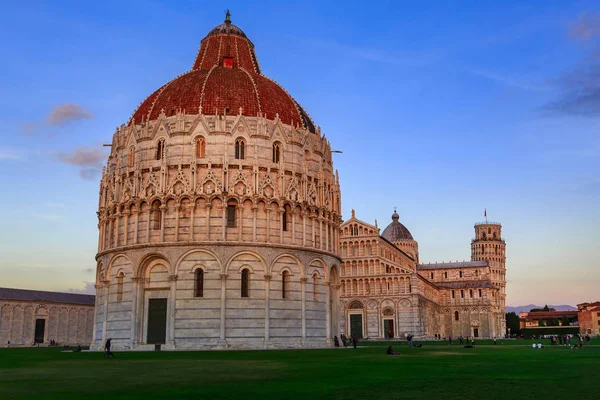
[[396, 231], [225, 79]]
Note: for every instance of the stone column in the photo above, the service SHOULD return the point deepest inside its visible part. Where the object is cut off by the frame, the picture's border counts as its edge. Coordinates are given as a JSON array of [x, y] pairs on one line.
[[177, 208], [172, 310], [254, 210], [135, 282], [293, 212], [303, 286], [326, 235], [117, 223], [280, 213], [304, 213], [222, 340], [267, 307], [163, 213], [328, 311], [224, 222], [148, 225], [208, 208], [193, 212], [241, 219], [320, 232], [312, 235], [126, 233], [105, 317], [268, 210], [135, 227]]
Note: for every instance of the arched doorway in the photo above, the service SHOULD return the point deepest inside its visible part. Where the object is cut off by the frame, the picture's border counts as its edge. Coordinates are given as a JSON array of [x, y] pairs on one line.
[[388, 323], [355, 319]]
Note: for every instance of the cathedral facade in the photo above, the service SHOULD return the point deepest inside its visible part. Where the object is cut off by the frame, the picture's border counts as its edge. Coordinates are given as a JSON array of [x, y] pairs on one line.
[[387, 293], [219, 214]]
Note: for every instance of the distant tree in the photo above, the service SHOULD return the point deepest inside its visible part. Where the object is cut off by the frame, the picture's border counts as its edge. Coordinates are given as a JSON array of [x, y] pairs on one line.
[[565, 321], [546, 308], [541, 323], [513, 323]]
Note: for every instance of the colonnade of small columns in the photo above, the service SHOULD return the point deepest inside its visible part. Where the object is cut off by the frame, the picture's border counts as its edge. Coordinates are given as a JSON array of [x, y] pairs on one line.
[[309, 227], [374, 286]]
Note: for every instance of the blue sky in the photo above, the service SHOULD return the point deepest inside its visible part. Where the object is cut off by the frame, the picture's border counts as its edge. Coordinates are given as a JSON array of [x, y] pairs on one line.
[[440, 108]]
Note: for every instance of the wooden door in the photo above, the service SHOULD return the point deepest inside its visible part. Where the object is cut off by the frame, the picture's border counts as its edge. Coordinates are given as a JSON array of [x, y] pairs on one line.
[[157, 321], [356, 328]]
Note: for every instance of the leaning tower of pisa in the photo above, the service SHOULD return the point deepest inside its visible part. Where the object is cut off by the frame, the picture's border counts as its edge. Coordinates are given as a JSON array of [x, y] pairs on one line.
[[488, 245]]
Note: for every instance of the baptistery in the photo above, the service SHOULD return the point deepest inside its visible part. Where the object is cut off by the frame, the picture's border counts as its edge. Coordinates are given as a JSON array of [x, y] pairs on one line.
[[219, 214]]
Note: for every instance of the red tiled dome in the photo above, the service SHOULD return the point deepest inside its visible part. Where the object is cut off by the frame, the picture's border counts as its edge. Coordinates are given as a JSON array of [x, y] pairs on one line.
[[225, 76]]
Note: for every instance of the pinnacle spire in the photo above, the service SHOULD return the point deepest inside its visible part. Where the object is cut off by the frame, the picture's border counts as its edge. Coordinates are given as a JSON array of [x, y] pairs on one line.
[[227, 17]]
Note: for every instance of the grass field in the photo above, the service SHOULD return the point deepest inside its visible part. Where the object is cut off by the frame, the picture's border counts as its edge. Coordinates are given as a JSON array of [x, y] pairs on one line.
[[437, 370]]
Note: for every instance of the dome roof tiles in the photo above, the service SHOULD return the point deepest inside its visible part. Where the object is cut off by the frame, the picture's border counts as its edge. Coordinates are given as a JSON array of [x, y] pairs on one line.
[[224, 78], [396, 231]]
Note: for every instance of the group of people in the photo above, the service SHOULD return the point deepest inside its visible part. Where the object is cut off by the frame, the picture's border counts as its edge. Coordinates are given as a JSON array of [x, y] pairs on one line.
[[345, 341]]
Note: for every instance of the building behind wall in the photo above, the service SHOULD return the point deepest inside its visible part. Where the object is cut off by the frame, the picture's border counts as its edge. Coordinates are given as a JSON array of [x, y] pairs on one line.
[[386, 293], [588, 315], [34, 316]]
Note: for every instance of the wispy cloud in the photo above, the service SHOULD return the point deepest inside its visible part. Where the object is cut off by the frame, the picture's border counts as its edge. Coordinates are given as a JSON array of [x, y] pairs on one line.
[[59, 116], [8, 155], [586, 27], [509, 80], [30, 128], [370, 53], [49, 217], [89, 159], [579, 89], [88, 288], [66, 113], [50, 204]]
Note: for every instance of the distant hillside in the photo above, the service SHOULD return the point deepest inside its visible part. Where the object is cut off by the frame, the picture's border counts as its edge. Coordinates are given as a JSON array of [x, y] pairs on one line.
[[518, 309]]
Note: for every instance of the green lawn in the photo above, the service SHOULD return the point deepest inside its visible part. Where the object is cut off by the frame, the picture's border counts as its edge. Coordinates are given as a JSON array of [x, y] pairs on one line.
[[437, 370]]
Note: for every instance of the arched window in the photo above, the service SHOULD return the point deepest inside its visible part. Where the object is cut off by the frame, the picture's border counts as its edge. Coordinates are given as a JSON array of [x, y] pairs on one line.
[[489, 231], [460, 274], [369, 252], [462, 294], [446, 275], [316, 287], [432, 275], [285, 276], [240, 146], [120, 286], [160, 149], [231, 208], [476, 273], [471, 293], [131, 157], [494, 235], [453, 294], [245, 282], [200, 147], [480, 293], [155, 216], [199, 283], [355, 232], [276, 152], [456, 315], [284, 220]]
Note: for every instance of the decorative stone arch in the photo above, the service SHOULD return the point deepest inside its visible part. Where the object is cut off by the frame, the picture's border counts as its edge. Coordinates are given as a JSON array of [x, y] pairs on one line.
[[149, 259], [186, 254], [244, 264], [355, 305], [303, 270], [323, 266], [111, 263]]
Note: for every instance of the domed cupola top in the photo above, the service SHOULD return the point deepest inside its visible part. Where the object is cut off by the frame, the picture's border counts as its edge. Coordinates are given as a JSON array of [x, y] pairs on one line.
[[225, 79], [396, 231]]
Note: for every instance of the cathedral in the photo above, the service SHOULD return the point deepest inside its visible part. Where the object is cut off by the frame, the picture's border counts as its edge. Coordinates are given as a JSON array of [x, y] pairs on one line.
[[387, 293], [220, 226]]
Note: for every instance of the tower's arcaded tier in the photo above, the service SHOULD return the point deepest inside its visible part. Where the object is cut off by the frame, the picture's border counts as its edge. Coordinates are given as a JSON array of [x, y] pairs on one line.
[[488, 245], [219, 214]]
